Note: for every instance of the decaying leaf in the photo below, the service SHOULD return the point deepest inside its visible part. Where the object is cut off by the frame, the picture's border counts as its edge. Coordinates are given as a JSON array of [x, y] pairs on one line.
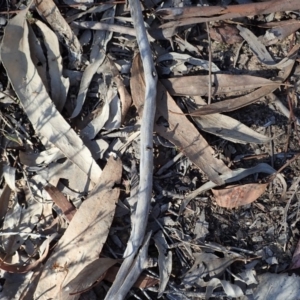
[[21, 268], [93, 272], [222, 84], [41, 111], [164, 261], [233, 176], [229, 128], [58, 84], [193, 15], [233, 104], [175, 127], [20, 219], [180, 59], [83, 240], [279, 31], [225, 33], [101, 38], [235, 196], [208, 264]]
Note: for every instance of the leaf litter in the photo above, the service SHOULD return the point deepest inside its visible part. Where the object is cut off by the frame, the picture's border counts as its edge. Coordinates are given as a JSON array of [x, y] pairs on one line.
[[97, 204]]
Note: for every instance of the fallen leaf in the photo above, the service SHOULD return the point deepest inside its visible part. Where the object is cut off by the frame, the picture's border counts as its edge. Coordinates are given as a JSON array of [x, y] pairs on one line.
[[176, 127], [83, 240], [100, 41], [41, 111], [236, 103], [164, 261], [21, 268], [194, 15], [225, 33], [95, 271], [279, 31], [21, 219], [222, 84], [235, 196], [233, 176], [180, 58], [228, 128], [208, 264], [4, 200], [58, 84]]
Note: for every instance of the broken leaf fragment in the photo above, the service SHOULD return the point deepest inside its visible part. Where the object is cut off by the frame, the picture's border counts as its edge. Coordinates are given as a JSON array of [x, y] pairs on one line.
[[238, 195]]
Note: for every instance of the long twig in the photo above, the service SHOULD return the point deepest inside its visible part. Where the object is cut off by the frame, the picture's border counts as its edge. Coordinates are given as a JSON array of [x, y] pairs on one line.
[[118, 289]]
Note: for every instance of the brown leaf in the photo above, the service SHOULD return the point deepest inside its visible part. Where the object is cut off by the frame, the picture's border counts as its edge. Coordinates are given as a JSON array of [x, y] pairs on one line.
[[225, 33], [193, 15], [179, 130], [95, 271], [234, 196], [222, 84], [61, 201], [83, 240], [236, 103]]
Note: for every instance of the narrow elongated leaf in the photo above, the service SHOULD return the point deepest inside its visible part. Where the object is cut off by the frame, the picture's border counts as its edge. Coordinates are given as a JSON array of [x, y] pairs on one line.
[[222, 84], [177, 128], [58, 84], [83, 240], [41, 111], [230, 129], [236, 103]]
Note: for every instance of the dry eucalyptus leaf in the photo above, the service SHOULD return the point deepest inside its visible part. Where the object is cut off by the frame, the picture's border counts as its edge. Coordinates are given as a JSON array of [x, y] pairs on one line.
[[222, 84], [230, 129], [175, 127], [89, 274], [100, 41], [225, 33], [58, 84], [20, 219], [164, 261], [41, 111], [236, 103], [83, 240], [235, 196], [21, 268]]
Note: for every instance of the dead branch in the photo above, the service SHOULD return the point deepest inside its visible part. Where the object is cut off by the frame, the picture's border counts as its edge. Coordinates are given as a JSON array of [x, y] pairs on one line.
[[119, 289]]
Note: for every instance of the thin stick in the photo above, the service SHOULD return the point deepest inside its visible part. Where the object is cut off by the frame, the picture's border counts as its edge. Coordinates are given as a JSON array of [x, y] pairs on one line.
[[210, 61], [118, 289]]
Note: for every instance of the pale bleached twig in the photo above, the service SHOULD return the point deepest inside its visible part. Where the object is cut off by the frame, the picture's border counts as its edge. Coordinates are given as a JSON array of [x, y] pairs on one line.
[[119, 289]]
